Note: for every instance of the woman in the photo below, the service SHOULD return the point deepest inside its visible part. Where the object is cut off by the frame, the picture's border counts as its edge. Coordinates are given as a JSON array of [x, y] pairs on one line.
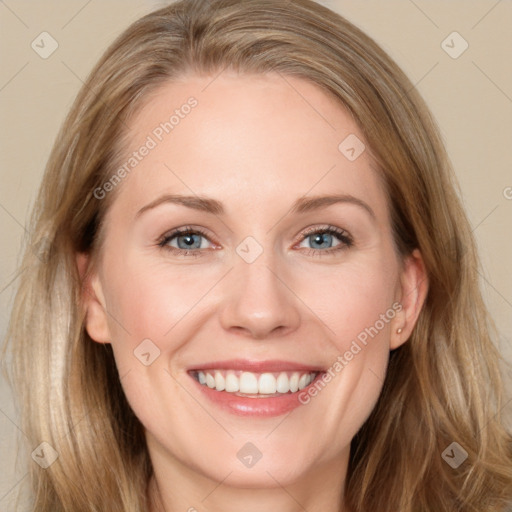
[[254, 284]]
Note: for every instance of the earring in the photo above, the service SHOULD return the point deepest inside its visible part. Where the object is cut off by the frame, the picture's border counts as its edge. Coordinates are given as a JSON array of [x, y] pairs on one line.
[[399, 330]]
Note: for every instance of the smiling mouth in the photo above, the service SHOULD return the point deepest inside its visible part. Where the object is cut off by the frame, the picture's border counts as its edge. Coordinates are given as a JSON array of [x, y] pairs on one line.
[[254, 384]]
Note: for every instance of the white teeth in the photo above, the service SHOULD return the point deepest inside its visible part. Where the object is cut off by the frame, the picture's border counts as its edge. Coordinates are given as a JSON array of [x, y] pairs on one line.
[[248, 383], [232, 382], [210, 381], [255, 383], [303, 381], [283, 383], [267, 384], [294, 382], [219, 381]]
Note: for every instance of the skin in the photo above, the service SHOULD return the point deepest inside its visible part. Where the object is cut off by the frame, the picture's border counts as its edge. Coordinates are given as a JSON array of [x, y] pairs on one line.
[[257, 145]]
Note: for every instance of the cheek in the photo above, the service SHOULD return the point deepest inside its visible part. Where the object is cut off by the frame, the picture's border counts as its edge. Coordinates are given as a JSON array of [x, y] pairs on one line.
[[353, 301], [147, 301], [357, 307]]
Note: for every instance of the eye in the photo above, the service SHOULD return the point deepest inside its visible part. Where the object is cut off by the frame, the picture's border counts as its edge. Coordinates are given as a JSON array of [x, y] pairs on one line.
[[190, 241], [326, 240], [185, 241]]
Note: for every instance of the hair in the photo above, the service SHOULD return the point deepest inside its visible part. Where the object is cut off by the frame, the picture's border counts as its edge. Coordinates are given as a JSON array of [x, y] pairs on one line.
[[444, 385]]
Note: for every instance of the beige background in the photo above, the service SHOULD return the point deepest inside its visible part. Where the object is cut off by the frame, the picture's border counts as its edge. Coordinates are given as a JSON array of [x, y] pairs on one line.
[[471, 97]]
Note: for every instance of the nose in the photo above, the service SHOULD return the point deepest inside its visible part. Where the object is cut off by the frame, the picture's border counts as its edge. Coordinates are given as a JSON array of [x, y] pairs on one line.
[[258, 301]]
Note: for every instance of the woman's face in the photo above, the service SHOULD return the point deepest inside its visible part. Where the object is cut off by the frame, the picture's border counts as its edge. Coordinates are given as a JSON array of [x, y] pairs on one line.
[[284, 271]]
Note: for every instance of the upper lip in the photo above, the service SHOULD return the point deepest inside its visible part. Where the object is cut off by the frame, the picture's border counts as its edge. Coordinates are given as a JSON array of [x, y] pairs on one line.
[[247, 365]]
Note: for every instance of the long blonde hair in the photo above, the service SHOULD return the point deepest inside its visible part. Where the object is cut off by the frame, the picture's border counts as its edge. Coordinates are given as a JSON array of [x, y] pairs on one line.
[[442, 386]]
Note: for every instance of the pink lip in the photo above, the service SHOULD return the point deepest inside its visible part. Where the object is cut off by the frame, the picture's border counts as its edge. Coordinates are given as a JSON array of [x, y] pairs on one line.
[[246, 365], [259, 407]]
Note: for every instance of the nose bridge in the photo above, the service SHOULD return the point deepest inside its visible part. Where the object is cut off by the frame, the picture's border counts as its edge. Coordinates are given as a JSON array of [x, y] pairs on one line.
[[257, 300]]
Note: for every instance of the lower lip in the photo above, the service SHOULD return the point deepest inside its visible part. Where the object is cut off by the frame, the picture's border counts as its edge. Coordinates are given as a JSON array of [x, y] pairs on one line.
[[259, 406]]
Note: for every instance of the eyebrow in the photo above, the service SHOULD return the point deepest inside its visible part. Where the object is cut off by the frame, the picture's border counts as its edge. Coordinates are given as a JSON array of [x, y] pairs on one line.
[[301, 205]]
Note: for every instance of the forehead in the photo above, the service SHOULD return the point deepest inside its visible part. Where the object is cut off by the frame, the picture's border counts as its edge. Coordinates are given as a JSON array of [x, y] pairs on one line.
[[246, 139]]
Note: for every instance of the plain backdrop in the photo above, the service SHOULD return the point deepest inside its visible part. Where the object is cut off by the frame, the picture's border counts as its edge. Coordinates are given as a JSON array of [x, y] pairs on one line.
[[469, 94]]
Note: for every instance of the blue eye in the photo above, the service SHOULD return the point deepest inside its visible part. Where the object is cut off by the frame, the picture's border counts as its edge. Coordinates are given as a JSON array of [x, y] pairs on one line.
[[188, 241], [323, 240], [326, 240]]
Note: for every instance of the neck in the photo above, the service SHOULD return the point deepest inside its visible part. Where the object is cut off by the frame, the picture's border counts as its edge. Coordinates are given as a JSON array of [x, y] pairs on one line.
[[176, 487]]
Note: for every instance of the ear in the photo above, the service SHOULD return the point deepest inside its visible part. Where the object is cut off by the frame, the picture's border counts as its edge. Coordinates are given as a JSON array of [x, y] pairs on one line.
[[93, 301], [411, 294]]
